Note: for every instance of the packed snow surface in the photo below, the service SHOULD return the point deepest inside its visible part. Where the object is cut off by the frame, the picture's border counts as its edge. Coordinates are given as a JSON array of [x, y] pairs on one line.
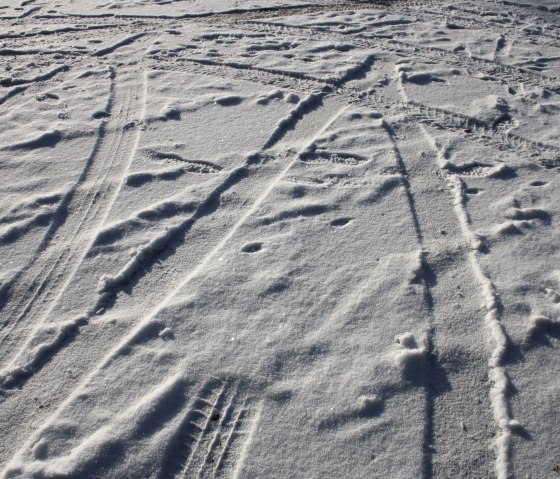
[[279, 239]]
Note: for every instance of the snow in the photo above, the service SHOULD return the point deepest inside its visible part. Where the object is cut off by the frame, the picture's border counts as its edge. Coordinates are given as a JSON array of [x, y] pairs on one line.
[[270, 239]]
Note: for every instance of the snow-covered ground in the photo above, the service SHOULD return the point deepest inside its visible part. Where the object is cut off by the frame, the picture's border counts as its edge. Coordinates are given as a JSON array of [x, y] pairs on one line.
[[279, 239]]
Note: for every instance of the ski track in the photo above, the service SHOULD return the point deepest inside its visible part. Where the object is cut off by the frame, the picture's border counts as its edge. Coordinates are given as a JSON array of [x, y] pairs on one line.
[[219, 423]]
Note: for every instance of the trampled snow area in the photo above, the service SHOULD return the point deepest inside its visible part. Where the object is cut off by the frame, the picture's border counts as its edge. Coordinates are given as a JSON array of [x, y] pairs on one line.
[[279, 239]]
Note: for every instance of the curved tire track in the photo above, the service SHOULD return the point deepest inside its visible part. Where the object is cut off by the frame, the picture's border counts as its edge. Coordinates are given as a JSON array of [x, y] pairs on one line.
[[81, 211]]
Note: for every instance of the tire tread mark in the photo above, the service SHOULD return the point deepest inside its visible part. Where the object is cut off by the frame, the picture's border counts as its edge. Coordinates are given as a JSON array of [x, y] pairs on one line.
[[509, 73]]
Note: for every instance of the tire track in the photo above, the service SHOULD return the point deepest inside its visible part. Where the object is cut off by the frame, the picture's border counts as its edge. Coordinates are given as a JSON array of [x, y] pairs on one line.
[[505, 73], [508, 74], [233, 13], [481, 131], [222, 459], [58, 31], [546, 155], [246, 74], [210, 431], [126, 41], [496, 136], [218, 414], [499, 340], [427, 280], [83, 208], [278, 73], [111, 284], [445, 389], [183, 279], [26, 362], [470, 19]]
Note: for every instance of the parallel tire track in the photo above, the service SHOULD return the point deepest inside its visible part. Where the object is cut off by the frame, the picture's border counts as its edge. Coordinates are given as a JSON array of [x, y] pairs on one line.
[[79, 213], [508, 74], [546, 155]]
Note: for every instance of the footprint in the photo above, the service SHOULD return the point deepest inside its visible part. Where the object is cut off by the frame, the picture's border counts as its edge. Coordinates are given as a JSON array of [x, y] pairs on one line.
[[100, 114], [228, 100], [538, 183], [194, 166], [336, 158], [252, 247], [48, 97], [340, 222]]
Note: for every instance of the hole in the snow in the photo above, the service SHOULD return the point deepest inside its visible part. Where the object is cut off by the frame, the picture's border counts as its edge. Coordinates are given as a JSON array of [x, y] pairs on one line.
[[252, 247], [340, 222], [100, 114], [537, 183]]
